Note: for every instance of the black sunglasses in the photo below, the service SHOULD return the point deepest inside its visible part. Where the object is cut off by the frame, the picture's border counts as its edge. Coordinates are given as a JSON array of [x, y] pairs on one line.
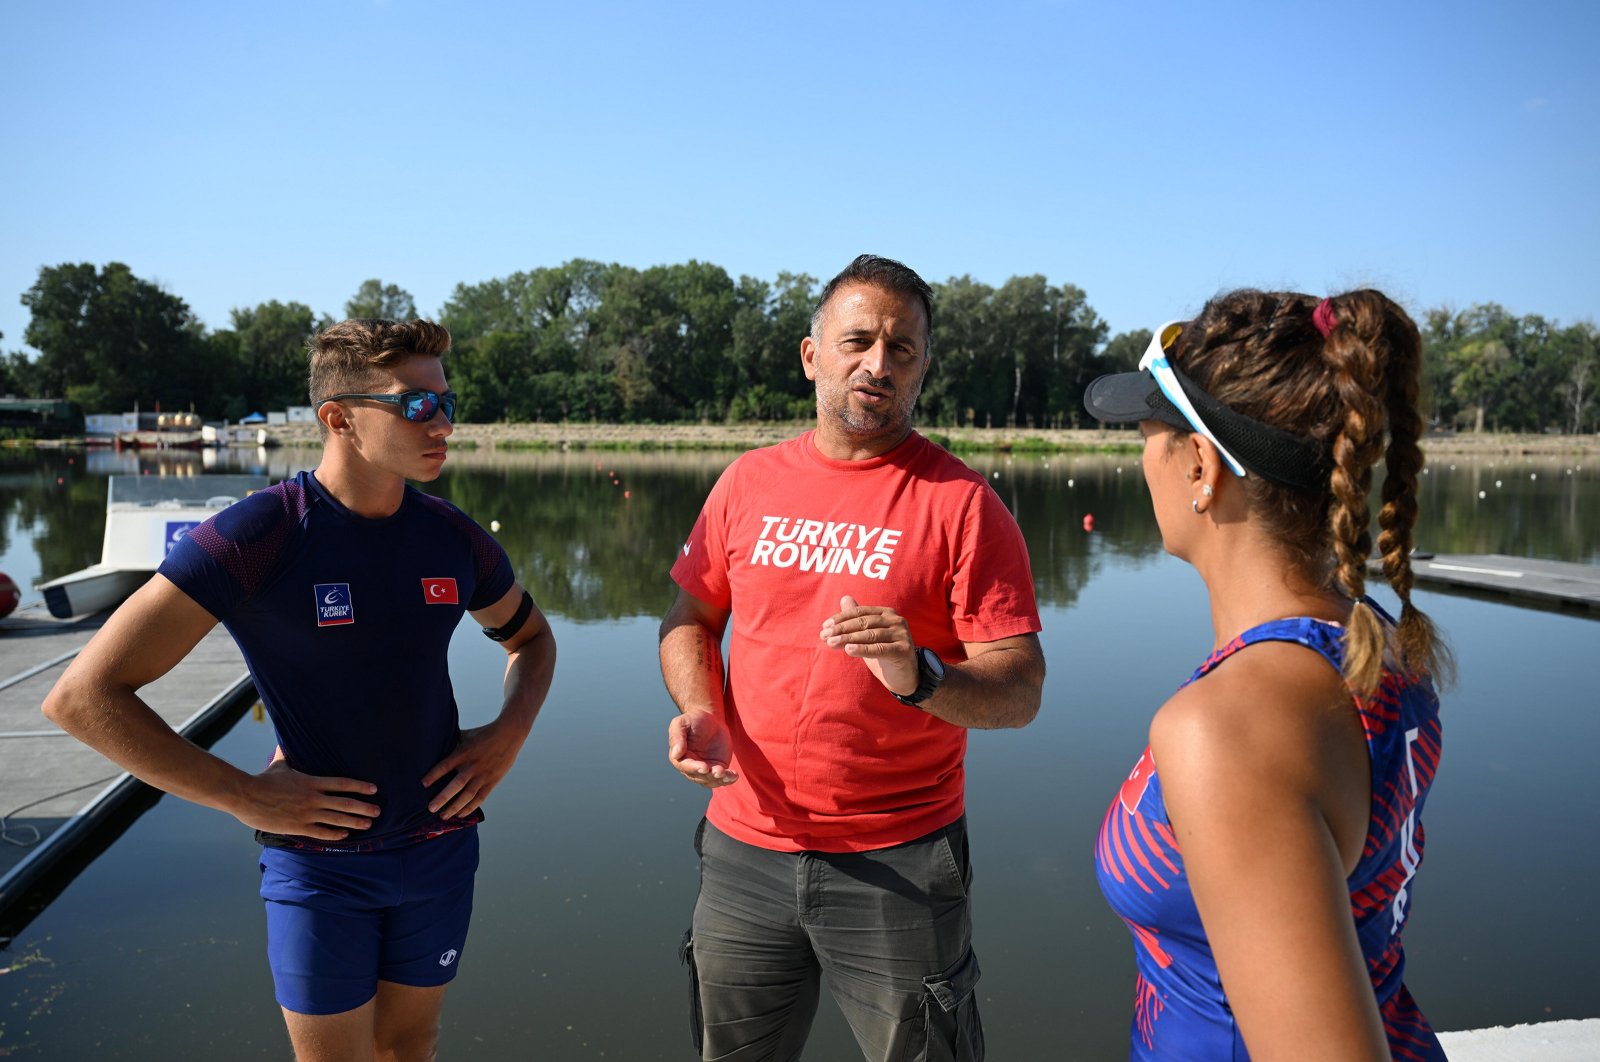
[[417, 406]]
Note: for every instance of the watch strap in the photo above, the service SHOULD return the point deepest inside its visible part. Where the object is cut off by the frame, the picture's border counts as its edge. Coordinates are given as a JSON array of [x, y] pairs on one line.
[[928, 680]]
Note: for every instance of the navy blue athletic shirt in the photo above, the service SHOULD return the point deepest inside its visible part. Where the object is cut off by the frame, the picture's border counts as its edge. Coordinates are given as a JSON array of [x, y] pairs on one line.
[[345, 623]]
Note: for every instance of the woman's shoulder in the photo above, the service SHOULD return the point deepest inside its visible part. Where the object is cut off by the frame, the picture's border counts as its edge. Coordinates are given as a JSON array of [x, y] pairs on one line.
[[1260, 718]]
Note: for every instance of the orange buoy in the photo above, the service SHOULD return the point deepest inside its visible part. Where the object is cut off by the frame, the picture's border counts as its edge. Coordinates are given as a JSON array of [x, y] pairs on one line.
[[1088, 522]]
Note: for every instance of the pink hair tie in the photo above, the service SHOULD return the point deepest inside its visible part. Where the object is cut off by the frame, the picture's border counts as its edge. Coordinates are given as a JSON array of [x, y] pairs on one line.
[[1323, 318]]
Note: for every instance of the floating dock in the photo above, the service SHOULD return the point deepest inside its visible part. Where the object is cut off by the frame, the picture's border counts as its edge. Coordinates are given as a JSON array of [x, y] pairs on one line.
[[55, 793], [1550, 1041], [1548, 584]]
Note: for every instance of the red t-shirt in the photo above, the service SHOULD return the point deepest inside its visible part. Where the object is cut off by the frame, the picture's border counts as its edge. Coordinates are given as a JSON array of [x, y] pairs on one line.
[[828, 760]]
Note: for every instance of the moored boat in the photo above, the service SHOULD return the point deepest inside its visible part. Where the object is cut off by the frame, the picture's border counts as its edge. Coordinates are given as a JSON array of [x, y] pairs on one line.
[[145, 517]]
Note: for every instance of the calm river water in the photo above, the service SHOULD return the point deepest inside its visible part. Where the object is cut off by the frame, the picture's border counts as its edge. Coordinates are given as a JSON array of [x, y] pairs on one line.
[[156, 950]]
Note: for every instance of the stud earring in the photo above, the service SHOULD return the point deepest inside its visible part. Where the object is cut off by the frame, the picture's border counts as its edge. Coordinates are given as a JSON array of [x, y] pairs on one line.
[[1205, 489]]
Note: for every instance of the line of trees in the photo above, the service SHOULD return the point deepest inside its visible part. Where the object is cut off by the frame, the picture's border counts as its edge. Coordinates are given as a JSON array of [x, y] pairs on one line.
[[1489, 369], [591, 341]]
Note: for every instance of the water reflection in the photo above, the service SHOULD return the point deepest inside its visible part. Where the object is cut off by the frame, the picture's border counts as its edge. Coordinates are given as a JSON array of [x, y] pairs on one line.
[[1523, 508], [589, 535], [592, 535]]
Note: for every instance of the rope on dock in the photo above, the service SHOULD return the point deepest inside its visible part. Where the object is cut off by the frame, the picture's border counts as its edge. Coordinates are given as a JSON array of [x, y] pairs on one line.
[[9, 833]]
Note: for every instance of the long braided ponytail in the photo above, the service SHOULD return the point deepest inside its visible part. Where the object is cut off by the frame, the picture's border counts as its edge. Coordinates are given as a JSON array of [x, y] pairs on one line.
[[1345, 374], [1373, 339]]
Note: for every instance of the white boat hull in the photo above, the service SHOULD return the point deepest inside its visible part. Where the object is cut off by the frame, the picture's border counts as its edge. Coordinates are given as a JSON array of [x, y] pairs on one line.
[[94, 589]]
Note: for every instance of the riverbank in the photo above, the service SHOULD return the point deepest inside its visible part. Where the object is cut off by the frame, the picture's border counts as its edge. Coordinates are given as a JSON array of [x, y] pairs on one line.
[[581, 436], [735, 437]]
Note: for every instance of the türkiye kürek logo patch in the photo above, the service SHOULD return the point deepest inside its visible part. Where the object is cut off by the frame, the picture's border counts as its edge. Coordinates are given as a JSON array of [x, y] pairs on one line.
[[334, 607]]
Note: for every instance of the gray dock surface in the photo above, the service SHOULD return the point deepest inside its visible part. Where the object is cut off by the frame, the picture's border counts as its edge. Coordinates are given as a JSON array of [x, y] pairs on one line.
[[1558, 584], [1550, 1041], [54, 790]]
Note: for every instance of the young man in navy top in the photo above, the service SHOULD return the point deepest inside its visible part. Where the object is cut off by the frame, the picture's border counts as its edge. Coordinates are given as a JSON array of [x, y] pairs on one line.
[[342, 587]]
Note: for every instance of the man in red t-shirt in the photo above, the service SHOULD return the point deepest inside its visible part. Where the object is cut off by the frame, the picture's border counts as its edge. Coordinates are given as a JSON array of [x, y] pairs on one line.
[[881, 605]]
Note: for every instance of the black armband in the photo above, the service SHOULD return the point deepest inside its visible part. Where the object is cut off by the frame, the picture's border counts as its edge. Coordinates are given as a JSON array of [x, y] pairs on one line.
[[512, 626]]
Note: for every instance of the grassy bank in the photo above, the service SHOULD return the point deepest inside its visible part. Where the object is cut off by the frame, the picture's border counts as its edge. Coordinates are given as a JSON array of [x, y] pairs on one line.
[[643, 437], [579, 436]]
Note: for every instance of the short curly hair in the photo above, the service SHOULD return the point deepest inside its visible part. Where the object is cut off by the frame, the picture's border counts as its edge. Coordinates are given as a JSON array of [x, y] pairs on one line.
[[344, 357]]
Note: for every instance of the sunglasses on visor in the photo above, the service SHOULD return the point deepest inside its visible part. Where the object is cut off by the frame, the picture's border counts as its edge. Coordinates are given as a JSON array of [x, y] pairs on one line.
[[1156, 364], [417, 406]]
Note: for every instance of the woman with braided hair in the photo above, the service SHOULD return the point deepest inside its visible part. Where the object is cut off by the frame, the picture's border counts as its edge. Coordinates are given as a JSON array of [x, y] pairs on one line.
[[1263, 848]]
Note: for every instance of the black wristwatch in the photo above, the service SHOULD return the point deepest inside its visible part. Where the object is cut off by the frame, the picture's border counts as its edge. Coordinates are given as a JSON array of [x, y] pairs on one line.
[[930, 672]]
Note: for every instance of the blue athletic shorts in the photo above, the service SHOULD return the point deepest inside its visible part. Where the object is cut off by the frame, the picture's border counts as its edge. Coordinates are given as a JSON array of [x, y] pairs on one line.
[[340, 922]]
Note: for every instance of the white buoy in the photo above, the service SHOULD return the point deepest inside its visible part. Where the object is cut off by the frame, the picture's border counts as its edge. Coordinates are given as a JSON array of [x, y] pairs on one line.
[[494, 525], [1069, 482], [1483, 494]]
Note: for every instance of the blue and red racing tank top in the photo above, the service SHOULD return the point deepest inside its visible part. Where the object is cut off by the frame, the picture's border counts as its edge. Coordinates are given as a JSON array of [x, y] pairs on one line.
[[1180, 1009]]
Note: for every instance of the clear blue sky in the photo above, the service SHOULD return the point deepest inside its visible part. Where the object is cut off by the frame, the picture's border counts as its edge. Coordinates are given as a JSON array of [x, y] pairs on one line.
[[1150, 153]]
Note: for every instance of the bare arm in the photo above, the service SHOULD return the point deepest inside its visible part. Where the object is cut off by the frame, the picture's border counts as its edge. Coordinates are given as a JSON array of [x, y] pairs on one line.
[[998, 685], [486, 754], [96, 701], [698, 744], [1264, 782]]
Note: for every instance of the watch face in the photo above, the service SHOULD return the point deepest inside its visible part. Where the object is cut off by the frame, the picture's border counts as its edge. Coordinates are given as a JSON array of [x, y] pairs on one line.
[[933, 663]]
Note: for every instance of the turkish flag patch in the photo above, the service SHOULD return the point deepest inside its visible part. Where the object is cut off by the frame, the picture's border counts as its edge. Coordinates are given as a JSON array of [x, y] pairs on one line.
[[439, 592]]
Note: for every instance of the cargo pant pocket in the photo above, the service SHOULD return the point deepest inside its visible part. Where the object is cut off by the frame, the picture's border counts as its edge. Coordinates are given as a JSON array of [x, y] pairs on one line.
[[697, 1027], [950, 1014]]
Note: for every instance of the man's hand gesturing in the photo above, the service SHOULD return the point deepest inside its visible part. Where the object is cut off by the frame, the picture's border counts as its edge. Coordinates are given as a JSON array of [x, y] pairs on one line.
[[879, 636]]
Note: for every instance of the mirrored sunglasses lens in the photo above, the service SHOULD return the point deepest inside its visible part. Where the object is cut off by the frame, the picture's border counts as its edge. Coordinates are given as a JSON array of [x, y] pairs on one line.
[[421, 405], [447, 404]]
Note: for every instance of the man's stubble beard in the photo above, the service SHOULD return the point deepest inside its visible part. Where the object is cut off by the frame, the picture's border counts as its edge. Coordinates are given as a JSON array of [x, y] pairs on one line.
[[834, 404]]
